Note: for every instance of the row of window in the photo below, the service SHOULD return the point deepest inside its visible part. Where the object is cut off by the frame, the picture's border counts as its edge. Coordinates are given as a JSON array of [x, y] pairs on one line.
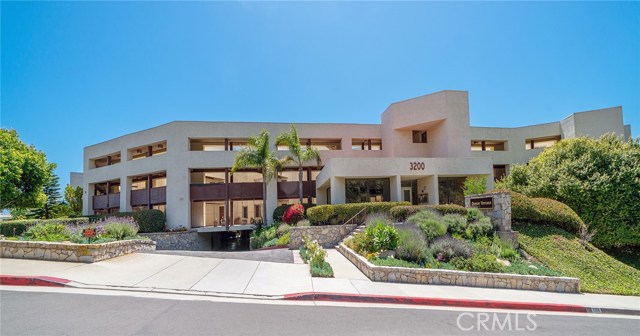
[[499, 146], [136, 153], [221, 145]]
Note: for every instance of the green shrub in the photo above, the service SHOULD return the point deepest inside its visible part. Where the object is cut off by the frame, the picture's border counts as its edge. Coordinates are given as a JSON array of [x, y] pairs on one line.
[[321, 270], [597, 178], [392, 262], [359, 243], [455, 223], [411, 246], [279, 211], [284, 239], [377, 218], [402, 212], [261, 237], [282, 229], [118, 228], [149, 220], [478, 263], [479, 229], [303, 223], [7, 227], [51, 232], [519, 266], [445, 209], [509, 253], [544, 211], [447, 248], [269, 243], [429, 223], [474, 186], [474, 215], [382, 237], [340, 213]]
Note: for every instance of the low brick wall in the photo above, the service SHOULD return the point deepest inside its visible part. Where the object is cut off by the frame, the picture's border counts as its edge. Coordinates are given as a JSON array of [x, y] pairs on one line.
[[460, 278], [326, 235], [187, 240], [87, 253]]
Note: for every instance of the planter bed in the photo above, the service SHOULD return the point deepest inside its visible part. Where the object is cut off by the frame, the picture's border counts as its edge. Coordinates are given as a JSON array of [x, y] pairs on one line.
[[460, 278], [58, 251]]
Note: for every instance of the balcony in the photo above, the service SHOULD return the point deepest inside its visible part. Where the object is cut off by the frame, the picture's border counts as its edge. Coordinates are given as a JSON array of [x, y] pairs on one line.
[[141, 197], [218, 191], [106, 201], [290, 189]]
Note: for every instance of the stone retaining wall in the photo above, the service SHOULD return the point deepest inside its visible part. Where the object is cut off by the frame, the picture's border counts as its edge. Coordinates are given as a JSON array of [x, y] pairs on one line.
[[87, 253], [460, 278], [327, 235], [186, 240]]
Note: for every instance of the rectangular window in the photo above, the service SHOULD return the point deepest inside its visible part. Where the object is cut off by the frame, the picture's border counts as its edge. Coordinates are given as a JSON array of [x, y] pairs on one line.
[[323, 144], [419, 136], [208, 145], [499, 171], [206, 177], [541, 142], [107, 160], [257, 210], [142, 152], [488, 145], [245, 212], [367, 190], [366, 144]]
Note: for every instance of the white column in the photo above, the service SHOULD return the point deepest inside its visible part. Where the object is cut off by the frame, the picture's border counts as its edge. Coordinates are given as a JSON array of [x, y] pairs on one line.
[[434, 196], [125, 194], [272, 199], [395, 186], [337, 190]]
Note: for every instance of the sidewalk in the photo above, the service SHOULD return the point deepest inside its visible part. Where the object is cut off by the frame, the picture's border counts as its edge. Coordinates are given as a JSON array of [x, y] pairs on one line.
[[140, 271]]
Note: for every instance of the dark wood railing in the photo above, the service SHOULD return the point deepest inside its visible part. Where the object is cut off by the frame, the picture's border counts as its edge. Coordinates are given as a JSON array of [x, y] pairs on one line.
[[290, 189], [106, 201], [141, 197]]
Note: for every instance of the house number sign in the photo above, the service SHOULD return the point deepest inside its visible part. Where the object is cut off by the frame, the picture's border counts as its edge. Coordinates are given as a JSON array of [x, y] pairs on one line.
[[416, 165]]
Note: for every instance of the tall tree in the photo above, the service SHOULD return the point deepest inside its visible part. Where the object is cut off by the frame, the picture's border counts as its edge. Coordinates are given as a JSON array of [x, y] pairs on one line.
[[52, 190], [258, 154], [298, 154], [24, 171], [73, 197]]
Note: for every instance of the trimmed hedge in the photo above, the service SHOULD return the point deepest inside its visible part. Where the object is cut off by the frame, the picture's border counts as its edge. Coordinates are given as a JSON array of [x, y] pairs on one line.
[[545, 211], [401, 213], [278, 212], [340, 213], [149, 220], [21, 225]]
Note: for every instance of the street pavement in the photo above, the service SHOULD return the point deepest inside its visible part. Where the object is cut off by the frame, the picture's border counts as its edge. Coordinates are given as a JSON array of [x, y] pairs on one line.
[[49, 313], [209, 275]]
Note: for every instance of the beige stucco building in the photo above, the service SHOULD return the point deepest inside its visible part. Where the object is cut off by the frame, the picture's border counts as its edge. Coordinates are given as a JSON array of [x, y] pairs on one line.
[[420, 152]]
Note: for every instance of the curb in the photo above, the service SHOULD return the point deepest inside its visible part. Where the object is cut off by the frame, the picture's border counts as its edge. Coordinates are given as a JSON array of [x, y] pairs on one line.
[[46, 281], [460, 303]]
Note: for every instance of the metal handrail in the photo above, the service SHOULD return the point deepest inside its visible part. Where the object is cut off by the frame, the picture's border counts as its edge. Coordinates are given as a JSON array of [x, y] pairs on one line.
[[353, 220]]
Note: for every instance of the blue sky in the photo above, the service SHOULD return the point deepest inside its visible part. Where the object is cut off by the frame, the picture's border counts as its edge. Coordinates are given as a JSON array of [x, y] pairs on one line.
[[78, 73]]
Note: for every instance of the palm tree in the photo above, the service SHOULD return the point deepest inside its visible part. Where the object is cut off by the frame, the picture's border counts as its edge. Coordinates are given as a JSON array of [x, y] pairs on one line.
[[258, 154], [299, 155]]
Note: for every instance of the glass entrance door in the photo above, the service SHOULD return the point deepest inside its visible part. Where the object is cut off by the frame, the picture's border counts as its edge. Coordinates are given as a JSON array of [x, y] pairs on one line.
[[407, 194]]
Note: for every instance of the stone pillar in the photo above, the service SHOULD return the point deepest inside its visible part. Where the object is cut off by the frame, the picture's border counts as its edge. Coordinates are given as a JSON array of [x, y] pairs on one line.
[[497, 206]]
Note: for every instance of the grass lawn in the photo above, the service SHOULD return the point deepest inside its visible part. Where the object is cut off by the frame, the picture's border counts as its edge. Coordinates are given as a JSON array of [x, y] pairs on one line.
[[562, 251]]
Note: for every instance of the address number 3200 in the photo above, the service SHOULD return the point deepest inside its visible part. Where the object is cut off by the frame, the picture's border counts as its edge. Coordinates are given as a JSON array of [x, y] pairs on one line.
[[416, 165]]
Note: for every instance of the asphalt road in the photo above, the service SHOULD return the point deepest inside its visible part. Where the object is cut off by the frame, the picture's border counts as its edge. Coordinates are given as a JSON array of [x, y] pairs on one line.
[[40, 313]]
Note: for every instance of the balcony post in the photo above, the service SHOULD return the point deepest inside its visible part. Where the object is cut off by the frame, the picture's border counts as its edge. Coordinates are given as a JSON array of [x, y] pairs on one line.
[[226, 198], [149, 191]]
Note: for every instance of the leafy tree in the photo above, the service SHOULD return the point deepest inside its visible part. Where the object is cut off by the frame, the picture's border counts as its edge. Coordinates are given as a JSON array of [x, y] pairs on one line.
[[73, 197], [598, 178], [298, 154], [24, 171], [474, 186], [258, 154]]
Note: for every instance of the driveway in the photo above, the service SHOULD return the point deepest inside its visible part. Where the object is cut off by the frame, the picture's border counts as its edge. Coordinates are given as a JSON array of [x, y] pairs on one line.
[[282, 255]]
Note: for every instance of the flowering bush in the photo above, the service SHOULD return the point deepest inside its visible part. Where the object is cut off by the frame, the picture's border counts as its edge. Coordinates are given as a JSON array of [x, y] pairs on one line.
[[293, 214]]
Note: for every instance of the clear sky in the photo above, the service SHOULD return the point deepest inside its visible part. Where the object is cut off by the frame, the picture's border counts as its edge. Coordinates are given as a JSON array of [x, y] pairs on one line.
[[78, 73]]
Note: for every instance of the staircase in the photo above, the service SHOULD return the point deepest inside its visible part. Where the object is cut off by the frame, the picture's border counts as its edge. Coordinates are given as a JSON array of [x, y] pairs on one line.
[[359, 219]]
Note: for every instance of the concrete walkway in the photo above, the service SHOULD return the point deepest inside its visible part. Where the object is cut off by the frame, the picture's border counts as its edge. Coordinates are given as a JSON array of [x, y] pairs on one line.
[[279, 255], [249, 277]]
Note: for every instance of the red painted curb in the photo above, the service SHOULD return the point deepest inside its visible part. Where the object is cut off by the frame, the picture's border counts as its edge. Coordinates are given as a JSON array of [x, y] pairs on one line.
[[310, 296], [18, 280]]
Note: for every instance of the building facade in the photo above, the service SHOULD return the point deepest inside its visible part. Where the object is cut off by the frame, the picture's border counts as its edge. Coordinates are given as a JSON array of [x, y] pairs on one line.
[[421, 152]]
